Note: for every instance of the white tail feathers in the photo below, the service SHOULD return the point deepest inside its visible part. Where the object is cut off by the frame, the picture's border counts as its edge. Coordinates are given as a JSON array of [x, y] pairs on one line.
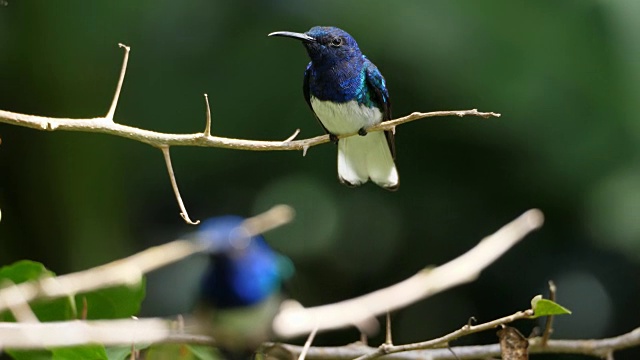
[[361, 158]]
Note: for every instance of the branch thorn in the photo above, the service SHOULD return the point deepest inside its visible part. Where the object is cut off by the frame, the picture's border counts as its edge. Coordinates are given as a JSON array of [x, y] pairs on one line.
[[207, 127], [293, 136], [123, 71], [472, 320]]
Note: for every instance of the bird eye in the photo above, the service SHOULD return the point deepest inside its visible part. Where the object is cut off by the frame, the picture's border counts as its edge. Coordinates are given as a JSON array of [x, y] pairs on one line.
[[336, 42]]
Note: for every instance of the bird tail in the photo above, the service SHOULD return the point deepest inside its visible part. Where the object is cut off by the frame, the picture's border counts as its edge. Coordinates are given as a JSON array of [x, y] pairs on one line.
[[361, 158]]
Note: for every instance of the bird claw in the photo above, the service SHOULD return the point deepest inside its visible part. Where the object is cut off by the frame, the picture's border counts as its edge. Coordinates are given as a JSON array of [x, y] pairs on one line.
[[362, 132], [333, 138]]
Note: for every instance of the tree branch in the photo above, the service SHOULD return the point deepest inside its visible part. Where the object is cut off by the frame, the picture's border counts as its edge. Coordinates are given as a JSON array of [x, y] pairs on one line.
[[157, 139], [467, 329], [591, 347], [295, 321], [163, 141], [174, 184]]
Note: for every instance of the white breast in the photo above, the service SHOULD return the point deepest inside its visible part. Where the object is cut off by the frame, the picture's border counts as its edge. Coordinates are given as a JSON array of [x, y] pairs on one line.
[[345, 118]]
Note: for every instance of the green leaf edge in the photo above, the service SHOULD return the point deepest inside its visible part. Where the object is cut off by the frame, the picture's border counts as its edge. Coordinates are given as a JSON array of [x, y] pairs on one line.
[[546, 307]]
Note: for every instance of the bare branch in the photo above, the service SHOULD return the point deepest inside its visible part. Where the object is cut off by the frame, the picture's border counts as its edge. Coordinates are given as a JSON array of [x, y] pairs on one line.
[[123, 72], [174, 185], [292, 322], [128, 270], [155, 330], [80, 332], [15, 301], [591, 347], [275, 217], [467, 329], [156, 139], [106, 125]]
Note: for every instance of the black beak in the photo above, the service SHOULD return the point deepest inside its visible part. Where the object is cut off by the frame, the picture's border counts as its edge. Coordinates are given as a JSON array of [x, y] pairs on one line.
[[295, 35]]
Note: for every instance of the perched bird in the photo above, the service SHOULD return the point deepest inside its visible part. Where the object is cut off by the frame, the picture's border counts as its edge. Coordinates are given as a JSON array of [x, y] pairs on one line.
[[348, 94], [240, 291]]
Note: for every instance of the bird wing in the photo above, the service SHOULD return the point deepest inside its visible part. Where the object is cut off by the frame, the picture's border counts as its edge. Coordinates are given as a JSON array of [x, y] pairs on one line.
[[380, 96], [307, 94]]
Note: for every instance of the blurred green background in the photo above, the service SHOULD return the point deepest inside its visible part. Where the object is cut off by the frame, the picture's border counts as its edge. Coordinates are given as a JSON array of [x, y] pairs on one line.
[[565, 76]]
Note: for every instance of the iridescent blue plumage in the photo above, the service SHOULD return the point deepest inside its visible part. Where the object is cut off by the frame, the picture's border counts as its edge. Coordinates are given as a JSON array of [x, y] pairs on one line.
[[348, 94], [240, 291], [242, 272]]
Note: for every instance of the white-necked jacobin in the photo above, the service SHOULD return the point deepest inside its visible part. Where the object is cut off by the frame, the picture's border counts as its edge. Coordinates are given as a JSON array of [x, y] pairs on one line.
[[348, 94], [240, 292]]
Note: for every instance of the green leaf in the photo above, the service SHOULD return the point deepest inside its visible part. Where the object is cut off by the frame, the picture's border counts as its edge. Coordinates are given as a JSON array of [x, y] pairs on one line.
[[182, 352], [113, 303], [204, 352], [545, 307], [85, 352], [45, 310], [29, 354], [169, 352], [24, 270], [122, 352], [118, 352]]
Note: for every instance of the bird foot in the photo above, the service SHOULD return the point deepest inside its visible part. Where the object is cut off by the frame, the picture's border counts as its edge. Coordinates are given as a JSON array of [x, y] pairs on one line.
[[333, 138], [362, 132]]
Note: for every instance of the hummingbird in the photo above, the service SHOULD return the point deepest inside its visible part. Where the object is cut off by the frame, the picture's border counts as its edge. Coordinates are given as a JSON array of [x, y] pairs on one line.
[[348, 94], [240, 290]]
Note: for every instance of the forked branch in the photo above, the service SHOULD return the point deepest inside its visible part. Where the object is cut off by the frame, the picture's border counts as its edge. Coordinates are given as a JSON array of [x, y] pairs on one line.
[[163, 141]]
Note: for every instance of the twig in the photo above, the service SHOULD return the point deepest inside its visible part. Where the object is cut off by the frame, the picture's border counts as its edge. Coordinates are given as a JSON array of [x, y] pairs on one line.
[[174, 185], [388, 340], [128, 270], [548, 329], [292, 322], [293, 136], [307, 344], [590, 347], [123, 72], [444, 340]]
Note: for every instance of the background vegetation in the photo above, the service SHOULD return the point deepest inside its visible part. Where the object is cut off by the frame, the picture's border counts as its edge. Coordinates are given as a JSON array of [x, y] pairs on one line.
[[565, 76]]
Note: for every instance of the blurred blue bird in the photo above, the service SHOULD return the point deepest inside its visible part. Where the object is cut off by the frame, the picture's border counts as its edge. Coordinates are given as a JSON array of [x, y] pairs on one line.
[[240, 291], [348, 94]]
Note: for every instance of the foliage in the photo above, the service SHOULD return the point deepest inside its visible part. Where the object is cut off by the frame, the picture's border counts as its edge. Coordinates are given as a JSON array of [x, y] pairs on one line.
[[109, 303]]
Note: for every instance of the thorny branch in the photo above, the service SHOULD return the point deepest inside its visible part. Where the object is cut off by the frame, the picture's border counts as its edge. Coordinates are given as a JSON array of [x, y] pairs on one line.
[[444, 340], [591, 347], [163, 141]]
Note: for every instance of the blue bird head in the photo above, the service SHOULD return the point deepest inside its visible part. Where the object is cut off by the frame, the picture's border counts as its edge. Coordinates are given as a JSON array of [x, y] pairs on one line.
[[243, 270], [326, 44]]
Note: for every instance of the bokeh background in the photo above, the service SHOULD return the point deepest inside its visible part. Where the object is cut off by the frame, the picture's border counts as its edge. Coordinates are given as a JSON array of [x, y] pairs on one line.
[[565, 76]]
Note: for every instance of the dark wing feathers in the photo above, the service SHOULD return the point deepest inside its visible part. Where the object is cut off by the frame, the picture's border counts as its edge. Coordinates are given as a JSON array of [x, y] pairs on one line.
[[380, 96]]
